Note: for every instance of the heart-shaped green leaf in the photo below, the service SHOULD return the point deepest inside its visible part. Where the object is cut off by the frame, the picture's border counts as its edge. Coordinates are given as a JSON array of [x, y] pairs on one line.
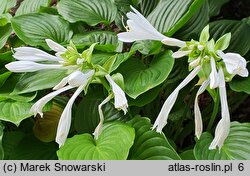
[[236, 145], [113, 144], [92, 12], [14, 111], [34, 28], [150, 144], [140, 78]]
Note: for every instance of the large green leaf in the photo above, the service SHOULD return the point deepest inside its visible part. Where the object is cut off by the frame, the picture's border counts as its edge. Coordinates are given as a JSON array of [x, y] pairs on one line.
[[92, 12], [140, 78], [241, 84], [113, 144], [39, 80], [240, 34], [87, 116], [34, 28], [14, 111], [1, 137], [171, 15], [5, 32], [106, 40], [150, 144], [28, 6], [30, 148], [236, 146]]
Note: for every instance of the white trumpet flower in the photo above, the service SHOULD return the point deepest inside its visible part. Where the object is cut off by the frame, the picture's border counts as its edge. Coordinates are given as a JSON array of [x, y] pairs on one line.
[[119, 95], [197, 113], [27, 58], [235, 63], [141, 29], [162, 118], [75, 79], [223, 127]]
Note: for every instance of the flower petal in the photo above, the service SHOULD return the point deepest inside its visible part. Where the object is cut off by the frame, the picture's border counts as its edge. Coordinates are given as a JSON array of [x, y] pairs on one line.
[[197, 112], [161, 120], [38, 106], [33, 54], [173, 42], [29, 66], [55, 46], [223, 127], [235, 63], [214, 79], [65, 120]]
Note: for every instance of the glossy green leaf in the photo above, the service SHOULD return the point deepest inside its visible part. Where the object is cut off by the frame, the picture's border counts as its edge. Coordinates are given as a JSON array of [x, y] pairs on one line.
[[240, 34], [87, 116], [149, 145], [140, 78], [39, 80], [34, 28], [171, 15], [28, 6], [30, 148], [14, 111], [91, 12], [241, 85], [236, 146], [113, 144], [1, 138], [106, 40], [5, 32]]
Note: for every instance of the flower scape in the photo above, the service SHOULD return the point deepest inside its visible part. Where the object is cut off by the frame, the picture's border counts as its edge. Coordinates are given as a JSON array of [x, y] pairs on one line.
[[141, 81]]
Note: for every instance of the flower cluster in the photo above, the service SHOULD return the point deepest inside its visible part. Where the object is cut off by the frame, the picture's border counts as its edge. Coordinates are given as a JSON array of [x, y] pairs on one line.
[[206, 59], [81, 72]]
